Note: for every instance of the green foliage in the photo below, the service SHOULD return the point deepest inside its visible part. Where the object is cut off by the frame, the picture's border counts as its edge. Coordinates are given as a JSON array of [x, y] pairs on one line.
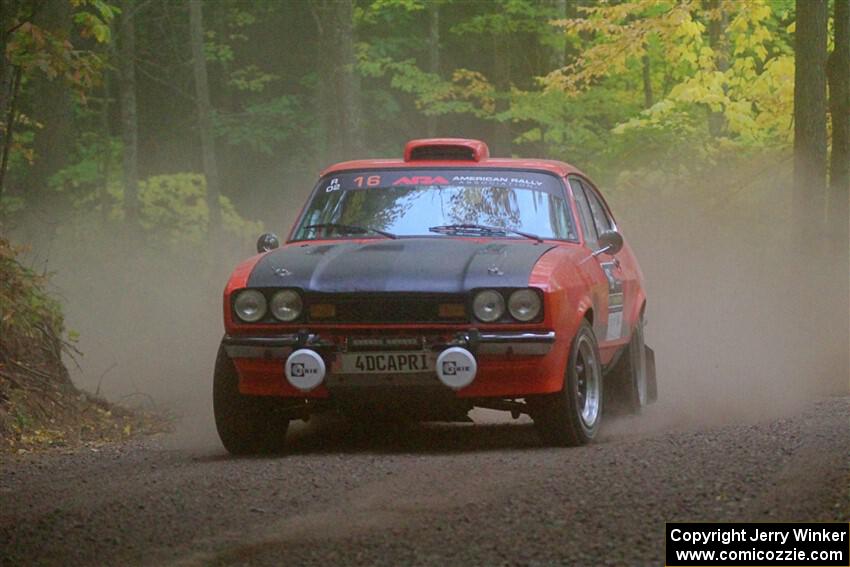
[[387, 11], [94, 23], [33, 48], [746, 78], [94, 154], [632, 87], [261, 126], [250, 78], [504, 17], [174, 211], [592, 112], [173, 208], [217, 51], [27, 310]]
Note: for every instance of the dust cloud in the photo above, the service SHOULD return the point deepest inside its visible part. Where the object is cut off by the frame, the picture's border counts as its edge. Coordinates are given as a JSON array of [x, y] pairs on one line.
[[747, 322], [744, 327]]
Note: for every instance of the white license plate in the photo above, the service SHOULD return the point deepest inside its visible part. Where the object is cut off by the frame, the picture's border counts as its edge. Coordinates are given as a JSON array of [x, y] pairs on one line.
[[387, 362]]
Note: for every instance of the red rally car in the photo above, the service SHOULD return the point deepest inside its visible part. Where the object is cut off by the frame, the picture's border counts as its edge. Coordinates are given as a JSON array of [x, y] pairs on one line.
[[423, 287]]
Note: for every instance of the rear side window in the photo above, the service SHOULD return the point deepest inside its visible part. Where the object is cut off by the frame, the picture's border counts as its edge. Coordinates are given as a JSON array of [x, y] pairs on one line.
[[600, 214], [584, 213], [559, 216]]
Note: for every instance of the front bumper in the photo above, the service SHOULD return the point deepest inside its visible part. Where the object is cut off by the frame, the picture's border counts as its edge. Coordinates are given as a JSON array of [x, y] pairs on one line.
[[507, 343], [510, 363]]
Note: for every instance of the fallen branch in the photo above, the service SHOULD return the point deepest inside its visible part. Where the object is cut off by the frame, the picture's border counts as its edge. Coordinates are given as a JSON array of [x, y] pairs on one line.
[[102, 376], [44, 391], [33, 371]]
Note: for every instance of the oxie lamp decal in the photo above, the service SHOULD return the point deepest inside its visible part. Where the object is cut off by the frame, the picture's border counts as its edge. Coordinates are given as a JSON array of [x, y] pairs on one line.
[[758, 544]]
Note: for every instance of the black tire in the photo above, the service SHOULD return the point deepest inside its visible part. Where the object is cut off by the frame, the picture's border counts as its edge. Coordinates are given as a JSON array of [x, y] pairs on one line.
[[572, 416], [245, 424], [651, 378], [629, 388]]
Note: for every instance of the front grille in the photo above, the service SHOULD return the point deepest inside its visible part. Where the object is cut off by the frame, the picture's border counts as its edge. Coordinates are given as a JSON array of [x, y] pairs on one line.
[[386, 307]]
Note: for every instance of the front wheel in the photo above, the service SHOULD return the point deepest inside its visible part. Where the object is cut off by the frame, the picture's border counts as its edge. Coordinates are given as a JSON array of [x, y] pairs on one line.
[[572, 416], [245, 424]]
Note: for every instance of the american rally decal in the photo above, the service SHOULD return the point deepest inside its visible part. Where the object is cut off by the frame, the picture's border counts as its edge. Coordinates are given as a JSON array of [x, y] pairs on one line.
[[364, 180]]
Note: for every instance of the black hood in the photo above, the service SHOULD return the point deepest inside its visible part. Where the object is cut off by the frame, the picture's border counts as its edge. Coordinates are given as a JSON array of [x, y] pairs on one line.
[[437, 265]]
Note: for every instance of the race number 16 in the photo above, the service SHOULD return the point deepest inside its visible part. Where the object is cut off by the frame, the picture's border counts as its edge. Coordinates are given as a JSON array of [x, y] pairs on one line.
[[371, 181]]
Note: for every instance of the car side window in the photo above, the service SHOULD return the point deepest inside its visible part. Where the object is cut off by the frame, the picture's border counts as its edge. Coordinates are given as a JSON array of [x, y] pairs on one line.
[[561, 220], [584, 213], [600, 214]]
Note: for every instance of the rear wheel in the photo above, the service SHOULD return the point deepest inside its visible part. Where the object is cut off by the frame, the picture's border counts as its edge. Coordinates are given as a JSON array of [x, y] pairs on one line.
[[572, 416], [245, 424], [629, 387]]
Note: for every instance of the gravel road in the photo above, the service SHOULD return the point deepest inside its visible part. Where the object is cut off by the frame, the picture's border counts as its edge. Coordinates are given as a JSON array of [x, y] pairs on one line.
[[484, 494]]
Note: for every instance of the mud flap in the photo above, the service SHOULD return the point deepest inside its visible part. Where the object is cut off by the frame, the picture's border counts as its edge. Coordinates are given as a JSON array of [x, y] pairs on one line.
[[651, 383]]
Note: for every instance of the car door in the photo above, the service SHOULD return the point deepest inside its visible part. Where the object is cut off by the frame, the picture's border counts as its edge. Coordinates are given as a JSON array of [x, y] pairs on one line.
[[592, 270], [619, 269]]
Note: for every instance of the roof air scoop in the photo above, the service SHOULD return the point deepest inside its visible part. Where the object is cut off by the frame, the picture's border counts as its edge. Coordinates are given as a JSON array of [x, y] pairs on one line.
[[446, 149]]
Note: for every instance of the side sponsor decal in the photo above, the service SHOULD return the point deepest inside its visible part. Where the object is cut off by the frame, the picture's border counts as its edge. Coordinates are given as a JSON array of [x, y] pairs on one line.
[[615, 302]]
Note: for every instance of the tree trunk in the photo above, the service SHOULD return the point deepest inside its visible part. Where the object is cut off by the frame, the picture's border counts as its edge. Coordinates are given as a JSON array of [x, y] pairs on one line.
[[52, 107], [202, 96], [106, 151], [9, 127], [129, 119], [839, 103], [810, 120], [323, 99], [8, 88], [502, 137], [349, 82], [648, 99], [433, 54], [564, 10], [718, 42], [838, 210]]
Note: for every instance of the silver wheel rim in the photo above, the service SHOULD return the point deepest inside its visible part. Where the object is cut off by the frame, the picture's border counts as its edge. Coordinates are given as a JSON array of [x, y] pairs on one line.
[[588, 382]]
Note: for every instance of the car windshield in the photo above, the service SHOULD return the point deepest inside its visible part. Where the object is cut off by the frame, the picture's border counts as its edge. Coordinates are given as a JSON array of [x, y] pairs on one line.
[[437, 203]]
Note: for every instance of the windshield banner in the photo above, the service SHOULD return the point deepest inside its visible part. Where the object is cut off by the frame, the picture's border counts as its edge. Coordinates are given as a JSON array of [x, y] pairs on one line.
[[377, 179]]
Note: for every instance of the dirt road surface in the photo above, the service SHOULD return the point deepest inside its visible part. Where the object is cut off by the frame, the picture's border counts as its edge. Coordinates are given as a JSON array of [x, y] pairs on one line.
[[484, 494]]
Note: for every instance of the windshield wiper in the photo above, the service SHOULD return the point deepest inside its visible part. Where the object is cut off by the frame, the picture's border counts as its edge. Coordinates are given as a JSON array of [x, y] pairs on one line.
[[351, 229], [481, 230]]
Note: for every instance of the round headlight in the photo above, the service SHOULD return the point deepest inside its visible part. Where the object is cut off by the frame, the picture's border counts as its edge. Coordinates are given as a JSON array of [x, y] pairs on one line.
[[524, 305], [488, 306], [250, 305], [286, 305]]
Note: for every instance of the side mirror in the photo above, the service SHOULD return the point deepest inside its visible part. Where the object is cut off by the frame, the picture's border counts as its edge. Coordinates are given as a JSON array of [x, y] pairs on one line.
[[610, 242], [267, 241]]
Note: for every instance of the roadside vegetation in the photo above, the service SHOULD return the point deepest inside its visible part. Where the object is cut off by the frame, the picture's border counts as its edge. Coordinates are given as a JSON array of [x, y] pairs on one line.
[[39, 405]]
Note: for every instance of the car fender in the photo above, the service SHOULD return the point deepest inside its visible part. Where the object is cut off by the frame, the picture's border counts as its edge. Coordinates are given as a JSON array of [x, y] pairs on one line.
[[567, 297], [238, 280]]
